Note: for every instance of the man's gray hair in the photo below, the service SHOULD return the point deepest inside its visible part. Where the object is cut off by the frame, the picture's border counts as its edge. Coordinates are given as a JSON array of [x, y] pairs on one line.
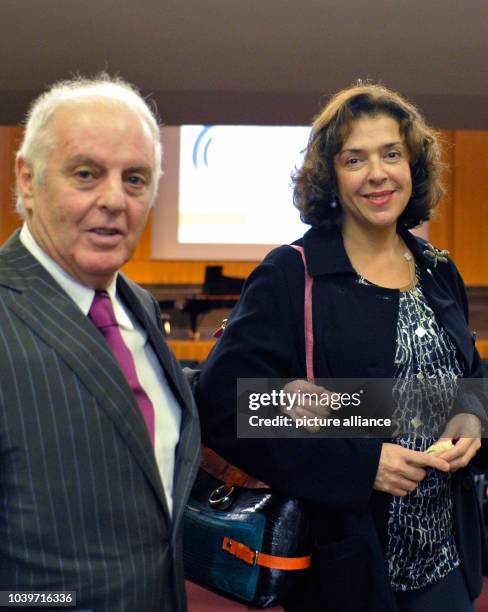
[[39, 141]]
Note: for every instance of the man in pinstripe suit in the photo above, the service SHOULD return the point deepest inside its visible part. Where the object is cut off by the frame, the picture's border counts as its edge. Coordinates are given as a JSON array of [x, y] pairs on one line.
[[91, 491]]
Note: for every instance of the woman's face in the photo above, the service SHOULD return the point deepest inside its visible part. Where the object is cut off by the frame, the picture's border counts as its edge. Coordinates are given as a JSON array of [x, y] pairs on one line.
[[373, 173]]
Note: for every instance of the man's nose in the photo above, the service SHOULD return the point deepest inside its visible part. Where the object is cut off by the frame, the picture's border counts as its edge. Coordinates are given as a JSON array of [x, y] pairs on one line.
[[112, 194]]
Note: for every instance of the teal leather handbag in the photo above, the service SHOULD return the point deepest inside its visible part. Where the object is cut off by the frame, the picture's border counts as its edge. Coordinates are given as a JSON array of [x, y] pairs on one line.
[[241, 539]]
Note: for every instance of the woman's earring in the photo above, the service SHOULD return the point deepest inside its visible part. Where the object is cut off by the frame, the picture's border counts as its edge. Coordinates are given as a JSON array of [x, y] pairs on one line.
[[333, 203]]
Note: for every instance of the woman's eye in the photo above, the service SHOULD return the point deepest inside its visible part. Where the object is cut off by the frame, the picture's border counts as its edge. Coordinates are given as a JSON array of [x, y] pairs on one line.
[[393, 155], [353, 161]]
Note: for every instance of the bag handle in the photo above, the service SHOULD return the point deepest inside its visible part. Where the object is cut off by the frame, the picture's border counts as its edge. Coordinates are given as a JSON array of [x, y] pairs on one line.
[[228, 474], [308, 320], [231, 476], [211, 462]]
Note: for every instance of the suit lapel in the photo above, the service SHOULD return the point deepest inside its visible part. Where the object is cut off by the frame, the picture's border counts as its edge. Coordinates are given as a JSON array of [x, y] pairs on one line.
[[43, 306]]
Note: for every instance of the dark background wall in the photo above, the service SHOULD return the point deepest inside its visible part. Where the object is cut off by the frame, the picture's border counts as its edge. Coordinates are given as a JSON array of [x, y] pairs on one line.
[[266, 62], [252, 61]]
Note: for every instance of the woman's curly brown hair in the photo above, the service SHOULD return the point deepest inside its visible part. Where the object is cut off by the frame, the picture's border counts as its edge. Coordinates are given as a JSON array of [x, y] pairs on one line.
[[315, 184]]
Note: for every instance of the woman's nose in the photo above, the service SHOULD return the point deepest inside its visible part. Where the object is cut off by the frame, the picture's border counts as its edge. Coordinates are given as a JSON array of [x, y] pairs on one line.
[[377, 172]]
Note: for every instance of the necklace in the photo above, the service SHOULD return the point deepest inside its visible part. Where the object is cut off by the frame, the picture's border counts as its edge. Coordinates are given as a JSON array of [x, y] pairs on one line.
[[421, 330], [423, 319]]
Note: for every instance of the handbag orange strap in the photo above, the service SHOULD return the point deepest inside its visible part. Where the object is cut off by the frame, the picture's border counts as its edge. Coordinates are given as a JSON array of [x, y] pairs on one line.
[[254, 557]]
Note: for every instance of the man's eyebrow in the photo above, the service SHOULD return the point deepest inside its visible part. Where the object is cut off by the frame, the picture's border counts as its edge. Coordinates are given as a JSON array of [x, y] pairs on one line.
[[147, 170], [85, 160]]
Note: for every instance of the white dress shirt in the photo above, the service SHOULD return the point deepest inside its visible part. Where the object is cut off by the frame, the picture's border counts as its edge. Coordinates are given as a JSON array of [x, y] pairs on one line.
[[167, 412]]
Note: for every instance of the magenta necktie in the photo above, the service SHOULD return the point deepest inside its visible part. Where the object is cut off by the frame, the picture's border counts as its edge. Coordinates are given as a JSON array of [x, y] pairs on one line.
[[103, 317]]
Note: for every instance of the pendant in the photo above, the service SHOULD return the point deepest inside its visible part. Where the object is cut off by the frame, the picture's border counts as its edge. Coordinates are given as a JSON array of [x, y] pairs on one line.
[[420, 376], [420, 331]]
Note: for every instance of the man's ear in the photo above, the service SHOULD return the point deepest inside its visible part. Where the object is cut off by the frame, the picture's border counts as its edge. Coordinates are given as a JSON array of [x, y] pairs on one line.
[[25, 178]]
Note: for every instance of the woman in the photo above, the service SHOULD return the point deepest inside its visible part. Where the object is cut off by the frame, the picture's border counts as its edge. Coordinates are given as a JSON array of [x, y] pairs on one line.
[[394, 528]]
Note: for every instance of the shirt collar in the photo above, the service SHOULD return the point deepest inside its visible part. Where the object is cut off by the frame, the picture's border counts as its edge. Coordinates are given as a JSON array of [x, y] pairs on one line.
[[81, 295]]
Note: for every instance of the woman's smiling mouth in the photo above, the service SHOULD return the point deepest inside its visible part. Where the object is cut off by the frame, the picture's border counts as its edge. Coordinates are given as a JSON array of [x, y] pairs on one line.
[[379, 198]]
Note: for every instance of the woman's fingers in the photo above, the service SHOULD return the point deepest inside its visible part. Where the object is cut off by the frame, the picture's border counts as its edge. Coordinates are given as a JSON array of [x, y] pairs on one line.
[[309, 409], [401, 469], [461, 453]]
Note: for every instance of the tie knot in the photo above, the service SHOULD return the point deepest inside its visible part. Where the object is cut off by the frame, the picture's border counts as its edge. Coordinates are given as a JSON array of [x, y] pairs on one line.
[[101, 311]]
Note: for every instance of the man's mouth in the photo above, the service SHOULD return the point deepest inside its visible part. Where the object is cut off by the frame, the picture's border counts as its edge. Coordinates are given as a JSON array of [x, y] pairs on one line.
[[105, 231], [105, 237]]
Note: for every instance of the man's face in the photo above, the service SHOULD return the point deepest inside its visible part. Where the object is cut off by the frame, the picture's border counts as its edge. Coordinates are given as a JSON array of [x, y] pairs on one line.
[[91, 209]]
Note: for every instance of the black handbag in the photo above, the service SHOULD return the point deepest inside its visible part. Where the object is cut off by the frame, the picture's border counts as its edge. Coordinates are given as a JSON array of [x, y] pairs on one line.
[[243, 540]]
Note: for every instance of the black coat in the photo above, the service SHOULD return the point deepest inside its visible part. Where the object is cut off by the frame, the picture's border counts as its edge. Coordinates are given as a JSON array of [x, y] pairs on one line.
[[354, 337]]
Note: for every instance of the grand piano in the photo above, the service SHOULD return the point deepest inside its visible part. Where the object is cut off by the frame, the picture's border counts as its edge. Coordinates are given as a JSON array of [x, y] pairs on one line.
[[218, 291]]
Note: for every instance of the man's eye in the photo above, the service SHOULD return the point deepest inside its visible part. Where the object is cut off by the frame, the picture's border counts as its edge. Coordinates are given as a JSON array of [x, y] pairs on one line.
[[136, 180], [84, 175]]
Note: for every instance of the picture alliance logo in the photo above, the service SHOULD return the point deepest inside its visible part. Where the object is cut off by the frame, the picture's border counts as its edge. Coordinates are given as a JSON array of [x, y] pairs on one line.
[[286, 400]]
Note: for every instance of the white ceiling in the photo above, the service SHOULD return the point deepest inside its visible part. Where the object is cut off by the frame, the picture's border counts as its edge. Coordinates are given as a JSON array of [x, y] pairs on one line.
[[261, 61]]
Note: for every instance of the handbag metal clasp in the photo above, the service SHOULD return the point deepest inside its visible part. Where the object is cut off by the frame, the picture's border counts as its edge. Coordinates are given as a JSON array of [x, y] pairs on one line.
[[255, 558], [221, 497]]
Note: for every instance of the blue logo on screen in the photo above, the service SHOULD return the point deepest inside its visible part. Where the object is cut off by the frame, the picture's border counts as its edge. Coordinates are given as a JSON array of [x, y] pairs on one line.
[[200, 148]]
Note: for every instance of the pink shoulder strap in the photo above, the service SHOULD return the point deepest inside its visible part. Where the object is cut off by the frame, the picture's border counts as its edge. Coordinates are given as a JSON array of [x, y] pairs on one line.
[[308, 321]]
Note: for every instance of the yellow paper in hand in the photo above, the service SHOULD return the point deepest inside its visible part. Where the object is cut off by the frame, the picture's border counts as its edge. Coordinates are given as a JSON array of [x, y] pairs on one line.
[[439, 447]]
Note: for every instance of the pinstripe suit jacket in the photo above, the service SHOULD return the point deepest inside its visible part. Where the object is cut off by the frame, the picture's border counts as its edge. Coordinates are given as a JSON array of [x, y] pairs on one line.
[[82, 505]]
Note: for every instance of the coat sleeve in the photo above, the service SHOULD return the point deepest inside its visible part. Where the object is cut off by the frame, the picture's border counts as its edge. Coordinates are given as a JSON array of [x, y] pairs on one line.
[[473, 396], [263, 340]]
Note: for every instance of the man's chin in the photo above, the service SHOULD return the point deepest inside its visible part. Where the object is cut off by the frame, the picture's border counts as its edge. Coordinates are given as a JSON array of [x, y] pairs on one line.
[[100, 271]]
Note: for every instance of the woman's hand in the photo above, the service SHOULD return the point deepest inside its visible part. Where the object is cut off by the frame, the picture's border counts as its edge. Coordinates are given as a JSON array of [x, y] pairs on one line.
[[306, 406], [465, 430], [401, 469]]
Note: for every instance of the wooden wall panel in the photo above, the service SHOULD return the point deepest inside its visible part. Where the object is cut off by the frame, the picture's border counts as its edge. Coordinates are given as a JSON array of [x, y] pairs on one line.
[[482, 346], [441, 228], [191, 350], [9, 142], [182, 272], [198, 350], [461, 224], [471, 209]]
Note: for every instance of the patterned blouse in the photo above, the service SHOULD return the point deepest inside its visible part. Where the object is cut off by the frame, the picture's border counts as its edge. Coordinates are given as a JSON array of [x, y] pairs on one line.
[[421, 545]]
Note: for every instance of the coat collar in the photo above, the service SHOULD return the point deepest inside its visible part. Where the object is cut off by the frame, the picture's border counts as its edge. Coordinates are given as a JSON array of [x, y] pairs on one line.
[[326, 255], [325, 252]]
